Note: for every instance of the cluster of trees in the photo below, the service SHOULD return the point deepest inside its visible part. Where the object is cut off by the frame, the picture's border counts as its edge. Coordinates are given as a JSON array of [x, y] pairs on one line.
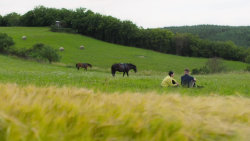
[[240, 35], [186, 44], [39, 52], [113, 30], [5, 43]]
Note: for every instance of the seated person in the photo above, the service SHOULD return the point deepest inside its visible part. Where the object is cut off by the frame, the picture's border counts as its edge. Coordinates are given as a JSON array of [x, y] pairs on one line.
[[169, 81], [187, 80]]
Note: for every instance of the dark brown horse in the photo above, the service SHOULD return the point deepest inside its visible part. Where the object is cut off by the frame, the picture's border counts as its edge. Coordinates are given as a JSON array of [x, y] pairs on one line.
[[83, 65], [122, 68]]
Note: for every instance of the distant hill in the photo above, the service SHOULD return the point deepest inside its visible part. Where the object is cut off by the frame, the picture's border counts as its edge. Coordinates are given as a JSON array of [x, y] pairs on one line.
[[240, 35]]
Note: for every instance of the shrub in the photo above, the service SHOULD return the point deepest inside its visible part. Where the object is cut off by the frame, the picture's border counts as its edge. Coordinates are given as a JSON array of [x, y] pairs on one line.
[[50, 54], [5, 43], [248, 59], [248, 68], [215, 65], [42, 52], [195, 71], [20, 52], [203, 70]]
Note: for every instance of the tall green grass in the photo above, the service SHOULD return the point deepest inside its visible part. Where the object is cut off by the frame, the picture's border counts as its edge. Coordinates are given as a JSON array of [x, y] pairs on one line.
[[62, 114], [28, 72]]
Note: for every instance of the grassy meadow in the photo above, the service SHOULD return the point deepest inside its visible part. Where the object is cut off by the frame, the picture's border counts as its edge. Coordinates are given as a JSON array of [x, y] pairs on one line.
[[48, 102], [102, 54]]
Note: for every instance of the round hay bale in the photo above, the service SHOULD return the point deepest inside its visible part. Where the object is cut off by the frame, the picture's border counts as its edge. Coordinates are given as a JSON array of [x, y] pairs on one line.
[[24, 37], [81, 47], [61, 49]]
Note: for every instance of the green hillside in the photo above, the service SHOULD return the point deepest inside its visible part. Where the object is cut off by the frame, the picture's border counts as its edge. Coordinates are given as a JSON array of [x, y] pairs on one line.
[[240, 35], [102, 55], [152, 66], [50, 102]]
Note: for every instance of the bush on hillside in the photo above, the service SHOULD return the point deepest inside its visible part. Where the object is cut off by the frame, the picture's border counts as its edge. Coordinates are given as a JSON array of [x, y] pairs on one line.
[[202, 70], [5, 43], [248, 59], [42, 52], [20, 52], [213, 65], [248, 68]]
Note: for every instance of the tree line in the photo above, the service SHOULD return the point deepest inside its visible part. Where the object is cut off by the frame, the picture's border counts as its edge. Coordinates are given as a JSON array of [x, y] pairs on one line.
[[240, 35], [113, 30]]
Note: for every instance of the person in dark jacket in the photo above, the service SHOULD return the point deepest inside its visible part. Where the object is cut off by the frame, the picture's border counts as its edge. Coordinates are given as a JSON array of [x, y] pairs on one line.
[[187, 80]]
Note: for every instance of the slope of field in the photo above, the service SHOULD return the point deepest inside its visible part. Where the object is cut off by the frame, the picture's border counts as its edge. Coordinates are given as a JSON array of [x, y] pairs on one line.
[[53, 114], [102, 54], [240, 35]]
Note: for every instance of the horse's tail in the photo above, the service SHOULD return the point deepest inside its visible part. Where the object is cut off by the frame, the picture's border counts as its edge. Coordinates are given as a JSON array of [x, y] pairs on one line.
[[113, 70], [77, 66]]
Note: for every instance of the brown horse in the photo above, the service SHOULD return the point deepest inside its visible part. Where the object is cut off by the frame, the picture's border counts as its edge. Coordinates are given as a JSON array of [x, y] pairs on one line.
[[83, 65], [122, 67]]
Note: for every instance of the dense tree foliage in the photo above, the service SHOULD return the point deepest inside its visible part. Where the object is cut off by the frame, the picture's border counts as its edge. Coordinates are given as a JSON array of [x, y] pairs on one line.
[[5, 43], [1, 20], [12, 19], [240, 35], [113, 30]]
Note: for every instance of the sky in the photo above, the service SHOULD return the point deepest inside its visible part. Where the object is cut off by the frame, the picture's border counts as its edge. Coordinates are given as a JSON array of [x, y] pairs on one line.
[[150, 13]]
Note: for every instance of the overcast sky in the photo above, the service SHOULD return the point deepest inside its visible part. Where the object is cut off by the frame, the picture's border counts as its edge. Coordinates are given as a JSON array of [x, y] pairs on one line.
[[150, 13]]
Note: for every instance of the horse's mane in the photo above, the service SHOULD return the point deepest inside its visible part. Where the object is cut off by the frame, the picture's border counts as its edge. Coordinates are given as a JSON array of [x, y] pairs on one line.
[[131, 64], [125, 64]]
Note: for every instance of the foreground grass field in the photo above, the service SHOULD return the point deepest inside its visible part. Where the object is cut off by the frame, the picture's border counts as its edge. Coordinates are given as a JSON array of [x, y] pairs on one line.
[[63, 114]]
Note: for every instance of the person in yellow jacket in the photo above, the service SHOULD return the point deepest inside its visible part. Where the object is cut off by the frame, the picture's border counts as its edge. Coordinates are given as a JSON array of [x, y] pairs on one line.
[[169, 81]]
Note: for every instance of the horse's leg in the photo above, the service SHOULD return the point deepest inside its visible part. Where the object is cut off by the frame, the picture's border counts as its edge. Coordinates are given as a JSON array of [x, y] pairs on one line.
[[123, 73], [77, 68], [127, 73], [113, 73]]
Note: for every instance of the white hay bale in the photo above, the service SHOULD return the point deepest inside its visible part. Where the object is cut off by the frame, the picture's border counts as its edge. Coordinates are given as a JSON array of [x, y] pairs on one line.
[[61, 49], [24, 37], [81, 47]]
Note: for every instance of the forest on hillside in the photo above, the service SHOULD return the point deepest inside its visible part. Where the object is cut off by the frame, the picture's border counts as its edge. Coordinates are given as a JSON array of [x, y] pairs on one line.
[[113, 30], [240, 35]]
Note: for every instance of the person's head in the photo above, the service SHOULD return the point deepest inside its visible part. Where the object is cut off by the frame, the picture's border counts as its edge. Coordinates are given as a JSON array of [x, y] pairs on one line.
[[171, 73], [186, 71]]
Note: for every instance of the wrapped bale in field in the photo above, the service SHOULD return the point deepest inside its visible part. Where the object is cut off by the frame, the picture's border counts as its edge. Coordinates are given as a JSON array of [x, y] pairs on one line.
[[24, 37], [81, 47], [61, 49]]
